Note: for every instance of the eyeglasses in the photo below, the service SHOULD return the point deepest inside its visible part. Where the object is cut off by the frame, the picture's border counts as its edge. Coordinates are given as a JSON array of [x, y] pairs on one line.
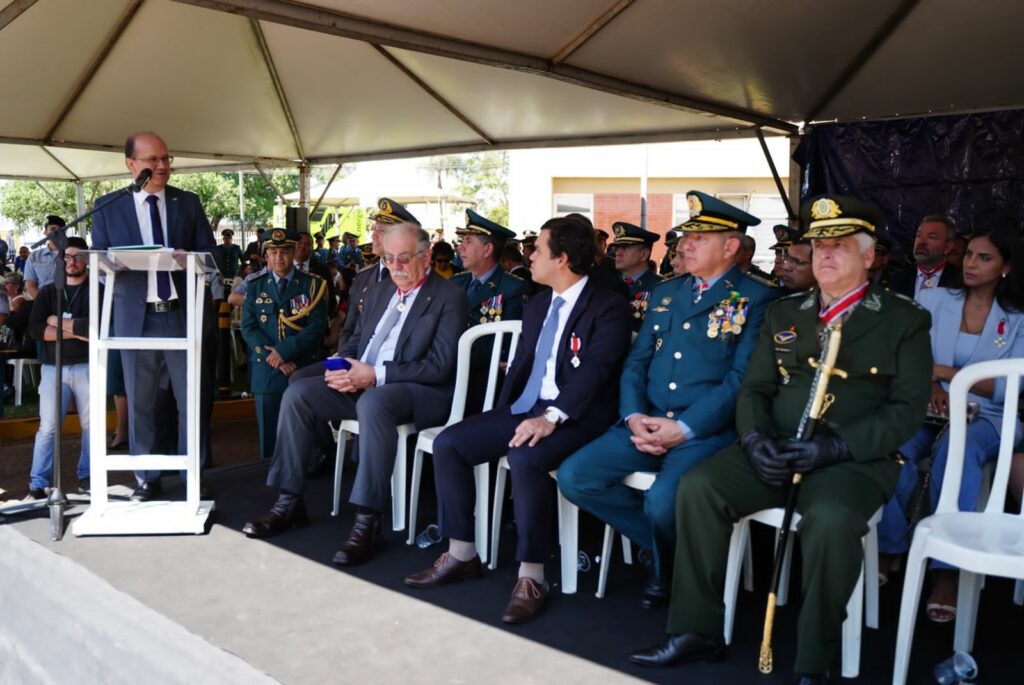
[[166, 159], [73, 257], [401, 259], [790, 259]]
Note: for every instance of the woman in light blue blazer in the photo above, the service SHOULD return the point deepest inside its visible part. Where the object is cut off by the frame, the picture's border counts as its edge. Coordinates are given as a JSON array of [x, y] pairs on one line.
[[981, 321]]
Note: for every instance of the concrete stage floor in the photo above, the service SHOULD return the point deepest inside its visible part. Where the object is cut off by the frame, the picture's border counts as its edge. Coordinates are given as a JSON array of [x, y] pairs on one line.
[[221, 608]]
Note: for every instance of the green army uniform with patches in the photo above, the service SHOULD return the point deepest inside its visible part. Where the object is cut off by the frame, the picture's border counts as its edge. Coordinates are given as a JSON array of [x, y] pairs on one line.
[[885, 352], [293, 323]]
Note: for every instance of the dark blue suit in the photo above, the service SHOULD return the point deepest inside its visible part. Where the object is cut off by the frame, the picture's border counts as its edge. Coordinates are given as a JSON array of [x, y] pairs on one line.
[[673, 371], [587, 394], [187, 229]]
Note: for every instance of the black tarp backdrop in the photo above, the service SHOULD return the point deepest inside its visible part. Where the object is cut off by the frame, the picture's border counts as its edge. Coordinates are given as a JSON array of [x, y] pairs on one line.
[[968, 167]]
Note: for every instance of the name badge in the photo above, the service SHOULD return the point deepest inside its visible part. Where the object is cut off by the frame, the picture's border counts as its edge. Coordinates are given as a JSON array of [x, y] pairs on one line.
[[67, 315]]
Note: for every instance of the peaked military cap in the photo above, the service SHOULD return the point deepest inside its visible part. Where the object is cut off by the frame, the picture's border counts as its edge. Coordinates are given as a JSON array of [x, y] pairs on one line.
[[227, 233], [390, 212], [835, 216], [279, 237], [334, 239], [479, 225], [786, 237], [628, 234], [708, 214], [529, 238]]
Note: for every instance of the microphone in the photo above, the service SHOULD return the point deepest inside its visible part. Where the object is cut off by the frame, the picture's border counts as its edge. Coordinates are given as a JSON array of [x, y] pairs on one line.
[[141, 180]]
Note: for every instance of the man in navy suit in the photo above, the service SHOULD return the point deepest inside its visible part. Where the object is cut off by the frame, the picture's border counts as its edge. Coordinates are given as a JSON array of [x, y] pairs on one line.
[[932, 245], [559, 394], [152, 304], [679, 386]]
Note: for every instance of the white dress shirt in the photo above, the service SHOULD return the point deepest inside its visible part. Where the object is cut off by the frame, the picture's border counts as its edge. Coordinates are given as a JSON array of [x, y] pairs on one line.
[[387, 348], [922, 280], [146, 230], [548, 386]]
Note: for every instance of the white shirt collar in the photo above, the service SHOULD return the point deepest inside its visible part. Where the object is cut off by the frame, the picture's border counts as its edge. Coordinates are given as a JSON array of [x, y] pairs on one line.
[[140, 197]]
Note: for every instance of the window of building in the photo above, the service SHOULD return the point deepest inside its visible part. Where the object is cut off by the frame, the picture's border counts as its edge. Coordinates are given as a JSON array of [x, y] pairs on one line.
[[579, 203]]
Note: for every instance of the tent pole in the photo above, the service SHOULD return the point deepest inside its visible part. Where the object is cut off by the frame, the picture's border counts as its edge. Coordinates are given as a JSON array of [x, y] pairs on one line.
[[775, 174]]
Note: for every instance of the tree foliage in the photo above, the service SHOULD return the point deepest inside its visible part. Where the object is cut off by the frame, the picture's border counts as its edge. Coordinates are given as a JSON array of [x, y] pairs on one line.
[[481, 176]]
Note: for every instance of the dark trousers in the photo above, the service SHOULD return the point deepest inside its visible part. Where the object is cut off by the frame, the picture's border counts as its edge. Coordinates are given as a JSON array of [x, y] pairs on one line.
[[144, 372], [308, 402], [835, 505], [592, 480], [484, 438]]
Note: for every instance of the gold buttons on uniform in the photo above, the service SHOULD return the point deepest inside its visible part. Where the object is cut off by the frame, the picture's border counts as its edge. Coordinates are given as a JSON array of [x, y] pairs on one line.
[[657, 327], [678, 355], [669, 414], [686, 326], [672, 386], [874, 370]]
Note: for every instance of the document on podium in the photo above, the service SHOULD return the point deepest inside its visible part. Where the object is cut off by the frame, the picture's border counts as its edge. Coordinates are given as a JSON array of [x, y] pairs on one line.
[[144, 258]]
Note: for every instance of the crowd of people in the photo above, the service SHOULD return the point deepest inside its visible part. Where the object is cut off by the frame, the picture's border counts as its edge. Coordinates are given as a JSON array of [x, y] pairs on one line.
[[697, 374]]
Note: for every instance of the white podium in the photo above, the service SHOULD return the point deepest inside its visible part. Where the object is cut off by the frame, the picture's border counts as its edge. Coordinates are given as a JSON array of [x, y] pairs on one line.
[[105, 517]]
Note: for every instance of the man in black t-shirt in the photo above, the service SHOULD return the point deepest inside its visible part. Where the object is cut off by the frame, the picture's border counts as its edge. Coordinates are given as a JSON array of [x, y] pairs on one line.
[[68, 309]]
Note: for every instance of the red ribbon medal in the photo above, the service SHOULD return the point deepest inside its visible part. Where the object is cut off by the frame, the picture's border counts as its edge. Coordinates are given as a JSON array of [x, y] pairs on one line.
[[843, 304], [574, 345]]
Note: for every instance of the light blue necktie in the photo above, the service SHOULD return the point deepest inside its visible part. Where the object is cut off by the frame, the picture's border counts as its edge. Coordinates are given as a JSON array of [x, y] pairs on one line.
[[390, 319], [545, 346]]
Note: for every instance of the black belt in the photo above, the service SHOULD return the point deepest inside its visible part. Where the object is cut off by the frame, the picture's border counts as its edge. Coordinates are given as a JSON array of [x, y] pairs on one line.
[[168, 306]]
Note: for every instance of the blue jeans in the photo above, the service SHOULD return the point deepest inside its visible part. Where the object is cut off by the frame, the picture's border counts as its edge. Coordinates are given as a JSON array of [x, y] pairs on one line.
[[982, 447], [75, 379]]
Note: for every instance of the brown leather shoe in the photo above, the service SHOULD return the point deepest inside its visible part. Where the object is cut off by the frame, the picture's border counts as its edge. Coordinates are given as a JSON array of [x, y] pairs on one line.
[[363, 541], [289, 511], [446, 570], [527, 600]]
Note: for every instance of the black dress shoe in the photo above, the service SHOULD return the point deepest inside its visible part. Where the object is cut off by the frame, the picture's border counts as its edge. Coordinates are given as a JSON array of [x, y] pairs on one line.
[[678, 649], [147, 491], [811, 679], [655, 594], [288, 511], [83, 486], [363, 541], [36, 493]]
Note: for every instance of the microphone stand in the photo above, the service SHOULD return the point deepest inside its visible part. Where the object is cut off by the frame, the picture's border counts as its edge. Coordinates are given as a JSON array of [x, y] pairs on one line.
[[57, 502]]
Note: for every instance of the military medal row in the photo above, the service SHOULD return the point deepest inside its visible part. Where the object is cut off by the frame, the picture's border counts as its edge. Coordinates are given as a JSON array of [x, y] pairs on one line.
[[728, 316]]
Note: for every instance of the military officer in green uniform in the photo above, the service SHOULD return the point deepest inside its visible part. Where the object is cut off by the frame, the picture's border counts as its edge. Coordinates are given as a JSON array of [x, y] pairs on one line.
[[678, 388], [849, 466], [494, 294], [283, 321], [632, 260]]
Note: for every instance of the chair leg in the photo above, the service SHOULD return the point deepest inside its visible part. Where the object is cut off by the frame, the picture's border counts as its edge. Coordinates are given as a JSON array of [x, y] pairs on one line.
[[606, 560], [568, 535], [496, 511], [748, 562], [852, 630], [738, 549], [339, 467], [627, 550], [398, 482], [871, 577], [482, 476], [787, 565], [967, 598], [913, 580], [1018, 592], [19, 370], [414, 494]]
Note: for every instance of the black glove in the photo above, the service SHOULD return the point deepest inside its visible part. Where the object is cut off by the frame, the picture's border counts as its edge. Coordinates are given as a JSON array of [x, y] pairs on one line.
[[765, 457], [818, 452]]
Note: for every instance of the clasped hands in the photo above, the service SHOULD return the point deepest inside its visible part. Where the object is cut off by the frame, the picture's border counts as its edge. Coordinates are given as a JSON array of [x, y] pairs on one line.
[[275, 361], [359, 377], [775, 461], [653, 435]]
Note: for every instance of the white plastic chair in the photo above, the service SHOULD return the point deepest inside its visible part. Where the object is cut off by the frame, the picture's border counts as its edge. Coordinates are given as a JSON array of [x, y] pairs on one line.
[[350, 427], [19, 370], [638, 480], [864, 593], [989, 542], [425, 442], [568, 528]]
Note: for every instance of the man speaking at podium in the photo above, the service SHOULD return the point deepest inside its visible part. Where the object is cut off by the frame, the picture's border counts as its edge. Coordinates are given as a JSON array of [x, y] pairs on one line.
[[151, 305]]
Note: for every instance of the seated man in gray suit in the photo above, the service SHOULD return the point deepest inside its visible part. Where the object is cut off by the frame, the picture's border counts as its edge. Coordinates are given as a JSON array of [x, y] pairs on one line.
[[403, 356]]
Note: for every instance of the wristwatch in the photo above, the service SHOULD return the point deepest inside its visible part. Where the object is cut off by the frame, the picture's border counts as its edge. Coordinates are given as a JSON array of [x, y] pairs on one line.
[[552, 416]]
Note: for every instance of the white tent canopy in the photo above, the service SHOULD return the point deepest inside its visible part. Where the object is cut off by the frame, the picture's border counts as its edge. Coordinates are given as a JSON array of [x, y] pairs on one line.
[[275, 82]]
